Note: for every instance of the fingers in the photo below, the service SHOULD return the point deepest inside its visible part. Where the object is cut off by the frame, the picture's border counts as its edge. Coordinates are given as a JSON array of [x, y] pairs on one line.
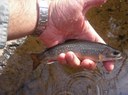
[[71, 59], [109, 65], [88, 64]]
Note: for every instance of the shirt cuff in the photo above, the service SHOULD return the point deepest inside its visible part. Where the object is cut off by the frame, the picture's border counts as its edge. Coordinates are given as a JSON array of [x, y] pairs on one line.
[[4, 18]]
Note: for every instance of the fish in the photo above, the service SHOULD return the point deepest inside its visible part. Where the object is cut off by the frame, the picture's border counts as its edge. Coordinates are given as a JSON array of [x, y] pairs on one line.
[[95, 51]]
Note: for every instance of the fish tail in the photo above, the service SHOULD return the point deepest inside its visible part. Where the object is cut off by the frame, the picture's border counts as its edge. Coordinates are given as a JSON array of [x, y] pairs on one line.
[[36, 60]]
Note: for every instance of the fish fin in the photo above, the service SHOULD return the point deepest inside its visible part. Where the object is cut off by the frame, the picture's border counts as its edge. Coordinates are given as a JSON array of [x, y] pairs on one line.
[[36, 61], [100, 57], [51, 61]]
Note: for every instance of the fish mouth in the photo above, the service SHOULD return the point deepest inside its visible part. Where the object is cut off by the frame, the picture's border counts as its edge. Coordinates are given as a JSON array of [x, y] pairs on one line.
[[113, 59]]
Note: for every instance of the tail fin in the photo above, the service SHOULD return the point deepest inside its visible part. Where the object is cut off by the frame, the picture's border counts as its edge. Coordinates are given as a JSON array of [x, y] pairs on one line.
[[36, 61]]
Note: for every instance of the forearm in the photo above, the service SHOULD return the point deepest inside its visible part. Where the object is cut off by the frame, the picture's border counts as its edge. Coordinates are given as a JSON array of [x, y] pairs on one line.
[[22, 18]]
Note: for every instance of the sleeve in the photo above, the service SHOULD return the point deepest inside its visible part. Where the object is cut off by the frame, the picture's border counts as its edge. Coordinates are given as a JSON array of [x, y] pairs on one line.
[[4, 19]]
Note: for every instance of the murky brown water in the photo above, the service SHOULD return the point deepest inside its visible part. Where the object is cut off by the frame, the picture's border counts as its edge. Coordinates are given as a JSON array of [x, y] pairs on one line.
[[111, 22]]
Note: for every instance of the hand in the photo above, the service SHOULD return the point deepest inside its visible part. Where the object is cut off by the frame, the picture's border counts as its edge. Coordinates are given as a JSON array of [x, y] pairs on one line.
[[67, 21]]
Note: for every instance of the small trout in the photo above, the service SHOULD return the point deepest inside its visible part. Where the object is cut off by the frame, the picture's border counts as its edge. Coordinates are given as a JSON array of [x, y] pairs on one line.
[[97, 52]]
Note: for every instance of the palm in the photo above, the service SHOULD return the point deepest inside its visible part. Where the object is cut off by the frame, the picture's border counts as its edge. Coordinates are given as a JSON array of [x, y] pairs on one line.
[[67, 21]]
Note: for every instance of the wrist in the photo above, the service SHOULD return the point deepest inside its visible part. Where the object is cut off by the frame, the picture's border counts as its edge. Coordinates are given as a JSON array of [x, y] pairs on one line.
[[42, 13]]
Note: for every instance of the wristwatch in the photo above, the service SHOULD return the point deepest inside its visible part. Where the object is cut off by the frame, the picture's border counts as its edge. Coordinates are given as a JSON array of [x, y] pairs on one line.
[[42, 6]]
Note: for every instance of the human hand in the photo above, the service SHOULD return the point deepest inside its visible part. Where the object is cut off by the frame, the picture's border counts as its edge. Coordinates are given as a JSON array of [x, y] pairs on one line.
[[67, 21]]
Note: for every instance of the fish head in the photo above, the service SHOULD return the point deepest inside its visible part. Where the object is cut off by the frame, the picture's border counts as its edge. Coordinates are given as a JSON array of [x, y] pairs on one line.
[[110, 54]]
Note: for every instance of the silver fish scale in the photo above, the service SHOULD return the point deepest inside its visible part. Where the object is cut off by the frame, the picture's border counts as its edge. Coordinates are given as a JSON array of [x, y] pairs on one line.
[[82, 47]]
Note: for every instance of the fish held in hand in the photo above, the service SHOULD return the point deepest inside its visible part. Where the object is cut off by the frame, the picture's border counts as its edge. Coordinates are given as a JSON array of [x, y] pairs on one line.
[[94, 51]]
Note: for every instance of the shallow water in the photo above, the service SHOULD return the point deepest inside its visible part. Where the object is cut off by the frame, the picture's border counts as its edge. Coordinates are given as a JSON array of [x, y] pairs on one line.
[[111, 22], [56, 79]]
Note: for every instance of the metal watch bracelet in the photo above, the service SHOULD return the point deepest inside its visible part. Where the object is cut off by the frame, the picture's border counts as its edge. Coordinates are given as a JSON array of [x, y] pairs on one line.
[[42, 17]]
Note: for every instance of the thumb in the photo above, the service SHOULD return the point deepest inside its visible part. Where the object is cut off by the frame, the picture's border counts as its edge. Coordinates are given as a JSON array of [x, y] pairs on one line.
[[89, 33], [92, 3]]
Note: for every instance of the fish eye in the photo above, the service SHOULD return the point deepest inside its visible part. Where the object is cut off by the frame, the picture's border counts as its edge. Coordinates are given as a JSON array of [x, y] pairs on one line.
[[116, 53]]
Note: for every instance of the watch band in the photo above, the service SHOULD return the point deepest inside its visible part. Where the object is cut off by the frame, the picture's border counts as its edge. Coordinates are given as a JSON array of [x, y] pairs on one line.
[[42, 17], [4, 18]]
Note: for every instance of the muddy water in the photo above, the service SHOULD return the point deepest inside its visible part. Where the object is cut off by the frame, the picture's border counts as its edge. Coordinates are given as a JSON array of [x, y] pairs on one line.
[[111, 22]]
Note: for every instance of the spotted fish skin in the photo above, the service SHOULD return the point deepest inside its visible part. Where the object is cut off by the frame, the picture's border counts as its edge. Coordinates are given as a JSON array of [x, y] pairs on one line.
[[95, 51]]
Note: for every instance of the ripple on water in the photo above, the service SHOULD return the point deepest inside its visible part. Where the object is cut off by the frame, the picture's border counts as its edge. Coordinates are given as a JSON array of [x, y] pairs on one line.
[[88, 82], [82, 83], [55, 80]]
